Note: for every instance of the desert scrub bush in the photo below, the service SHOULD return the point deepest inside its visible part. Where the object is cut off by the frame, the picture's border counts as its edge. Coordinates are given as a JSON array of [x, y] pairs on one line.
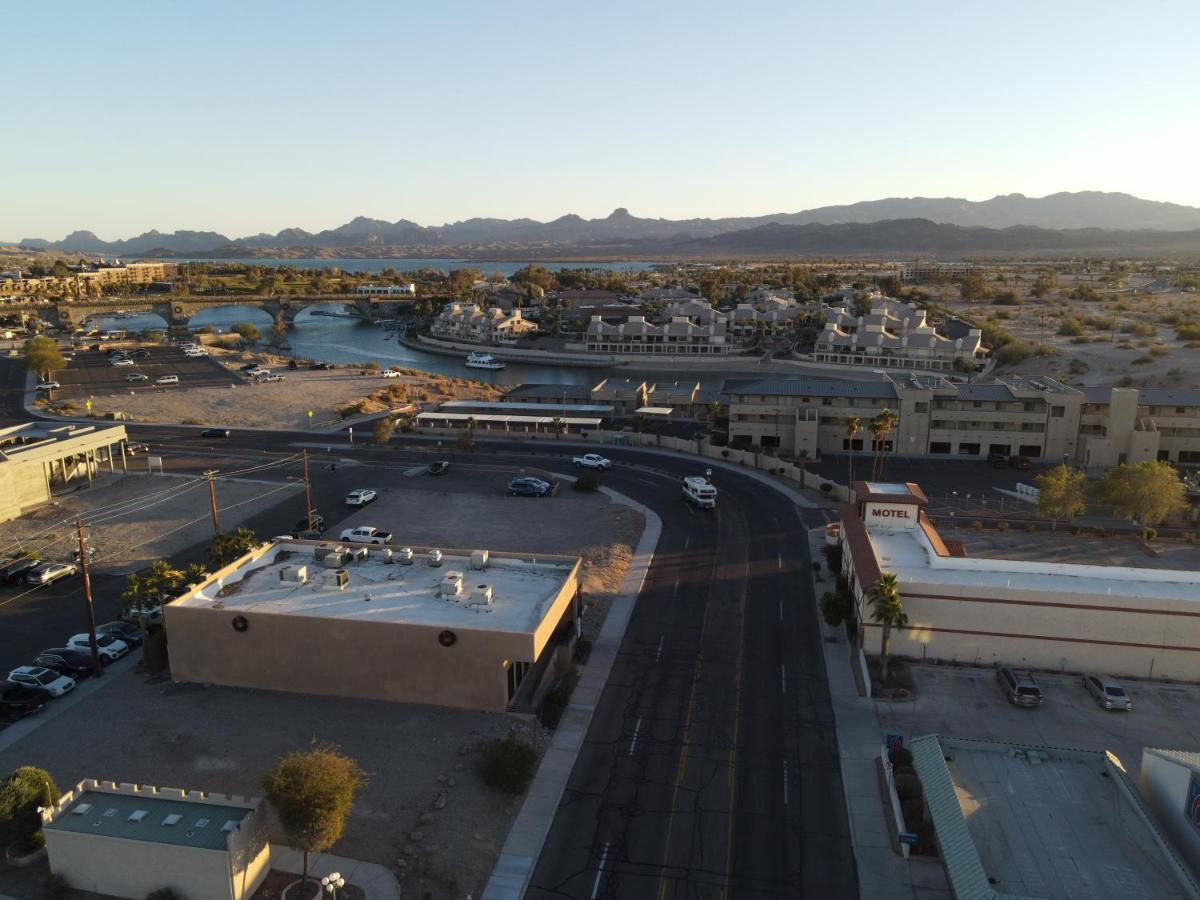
[[1070, 327], [506, 764]]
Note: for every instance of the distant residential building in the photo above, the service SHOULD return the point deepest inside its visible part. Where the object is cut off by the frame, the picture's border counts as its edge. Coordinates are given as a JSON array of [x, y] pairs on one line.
[[667, 295], [131, 840], [678, 336], [474, 325], [696, 310], [387, 290], [893, 335], [932, 271], [774, 316]]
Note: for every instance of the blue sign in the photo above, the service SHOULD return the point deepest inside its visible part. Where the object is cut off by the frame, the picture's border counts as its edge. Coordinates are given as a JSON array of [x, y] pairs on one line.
[[1192, 811], [907, 837], [894, 741]]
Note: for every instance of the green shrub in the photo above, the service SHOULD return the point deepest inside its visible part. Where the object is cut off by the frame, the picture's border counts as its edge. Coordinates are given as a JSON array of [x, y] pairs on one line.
[[900, 756], [1189, 332], [913, 811], [836, 608], [1151, 534], [507, 764], [1070, 327], [26, 789], [903, 770], [833, 557], [1100, 531], [1002, 525], [588, 481], [155, 653], [908, 787]]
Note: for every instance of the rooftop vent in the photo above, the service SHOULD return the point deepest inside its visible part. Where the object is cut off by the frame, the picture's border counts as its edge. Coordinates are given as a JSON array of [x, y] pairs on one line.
[[172, 819], [297, 574], [383, 554], [479, 559], [82, 809], [358, 554], [110, 812], [452, 583], [201, 823], [435, 558], [481, 595], [336, 578], [336, 559], [138, 814], [404, 556], [230, 825]]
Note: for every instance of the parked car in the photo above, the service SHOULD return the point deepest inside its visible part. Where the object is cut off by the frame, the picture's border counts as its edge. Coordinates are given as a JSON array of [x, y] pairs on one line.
[[18, 701], [272, 377], [321, 367], [998, 460], [257, 372], [1107, 692], [110, 648], [215, 432], [366, 534], [137, 376], [16, 569], [360, 497], [42, 679], [133, 448], [528, 487], [1019, 687], [48, 573], [151, 614], [592, 461], [49, 386], [316, 523], [247, 367], [162, 380], [441, 467], [122, 361], [65, 661], [125, 631], [141, 353], [1020, 462]]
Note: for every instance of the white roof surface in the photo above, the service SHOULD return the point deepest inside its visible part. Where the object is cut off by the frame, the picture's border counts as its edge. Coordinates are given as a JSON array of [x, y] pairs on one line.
[[910, 556], [522, 589]]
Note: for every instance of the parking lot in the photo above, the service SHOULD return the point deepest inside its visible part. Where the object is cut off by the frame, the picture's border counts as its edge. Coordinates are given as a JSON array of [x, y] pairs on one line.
[[966, 702], [940, 478], [91, 373]]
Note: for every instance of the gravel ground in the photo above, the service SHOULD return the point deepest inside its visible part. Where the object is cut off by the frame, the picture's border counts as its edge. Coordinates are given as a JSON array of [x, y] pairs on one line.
[[151, 517], [425, 814]]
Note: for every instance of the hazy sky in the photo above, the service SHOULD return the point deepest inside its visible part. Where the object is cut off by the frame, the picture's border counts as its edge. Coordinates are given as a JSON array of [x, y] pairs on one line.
[[255, 116]]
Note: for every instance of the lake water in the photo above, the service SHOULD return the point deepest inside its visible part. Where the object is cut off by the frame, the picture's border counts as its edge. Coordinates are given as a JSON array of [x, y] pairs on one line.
[[334, 340], [405, 264]]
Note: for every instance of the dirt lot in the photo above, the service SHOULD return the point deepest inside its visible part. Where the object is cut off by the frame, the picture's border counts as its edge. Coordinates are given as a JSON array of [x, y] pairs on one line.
[[285, 404], [133, 520], [225, 739]]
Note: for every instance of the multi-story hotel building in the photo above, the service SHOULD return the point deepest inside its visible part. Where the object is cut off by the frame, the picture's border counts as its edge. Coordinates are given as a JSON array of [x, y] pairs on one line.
[[475, 325], [893, 335], [1037, 417], [679, 335]]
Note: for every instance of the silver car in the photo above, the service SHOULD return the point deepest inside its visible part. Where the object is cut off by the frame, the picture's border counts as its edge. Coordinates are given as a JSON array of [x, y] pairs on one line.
[[1107, 693]]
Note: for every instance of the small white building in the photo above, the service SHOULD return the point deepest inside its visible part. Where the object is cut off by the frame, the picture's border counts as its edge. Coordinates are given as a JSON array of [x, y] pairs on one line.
[[127, 840]]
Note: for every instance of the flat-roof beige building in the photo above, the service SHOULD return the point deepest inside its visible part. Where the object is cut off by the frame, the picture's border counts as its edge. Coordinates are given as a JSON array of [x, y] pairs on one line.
[[468, 629], [38, 457]]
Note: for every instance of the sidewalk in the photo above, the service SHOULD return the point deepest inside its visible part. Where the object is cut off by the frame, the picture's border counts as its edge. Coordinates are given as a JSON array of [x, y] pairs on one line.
[[882, 871], [526, 837], [375, 880]]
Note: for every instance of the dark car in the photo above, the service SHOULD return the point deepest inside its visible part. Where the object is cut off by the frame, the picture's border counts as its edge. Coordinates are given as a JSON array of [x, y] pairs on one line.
[[1020, 462], [125, 631], [140, 354], [247, 367], [15, 570], [528, 487], [17, 701], [316, 523], [215, 432], [441, 467], [998, 460], [321, 367], [75, 663]]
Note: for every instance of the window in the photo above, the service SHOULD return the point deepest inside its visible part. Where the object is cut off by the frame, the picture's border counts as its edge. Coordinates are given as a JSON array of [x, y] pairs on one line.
[[769, 440], [1057, 412], [968, 449], [977, 404], [856, 444], [999, 449], [921, 407], [1033, 451], [1181, 410], [940, 447]]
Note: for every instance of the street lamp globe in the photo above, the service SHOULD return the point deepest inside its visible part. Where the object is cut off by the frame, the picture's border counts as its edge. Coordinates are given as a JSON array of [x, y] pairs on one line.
[[332, 883]]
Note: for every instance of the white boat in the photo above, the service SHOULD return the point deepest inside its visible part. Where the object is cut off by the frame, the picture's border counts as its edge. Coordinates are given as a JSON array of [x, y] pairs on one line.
[[483, 361]]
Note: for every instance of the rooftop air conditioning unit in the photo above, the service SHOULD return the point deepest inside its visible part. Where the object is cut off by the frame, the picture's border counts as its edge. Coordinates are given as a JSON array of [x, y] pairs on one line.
[[321, 550], [297, 574], [479, 559], [358, 554], [336, 559], [435, 558], [383, 554], [404, 556], [336, 578], [481, 595], [452, 583]]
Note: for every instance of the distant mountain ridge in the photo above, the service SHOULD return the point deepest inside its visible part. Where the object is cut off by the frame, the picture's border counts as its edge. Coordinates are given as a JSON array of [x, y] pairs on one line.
[[364, 236]]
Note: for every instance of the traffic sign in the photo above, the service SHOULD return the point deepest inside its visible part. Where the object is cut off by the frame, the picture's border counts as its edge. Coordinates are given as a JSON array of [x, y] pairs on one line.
[[907, 837]]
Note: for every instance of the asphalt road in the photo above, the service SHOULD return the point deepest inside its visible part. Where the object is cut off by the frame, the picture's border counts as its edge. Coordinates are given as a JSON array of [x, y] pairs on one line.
[[711, 766]]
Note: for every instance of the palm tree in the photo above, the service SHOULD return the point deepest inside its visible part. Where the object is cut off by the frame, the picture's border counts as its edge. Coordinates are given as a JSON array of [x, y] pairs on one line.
[[195, 573], [852, 425], [888, 611], [881, 426], [137, 589], [163, 576]]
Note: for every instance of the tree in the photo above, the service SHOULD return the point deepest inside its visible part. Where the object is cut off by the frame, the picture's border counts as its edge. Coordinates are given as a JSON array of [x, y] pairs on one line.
[[163, 577], [886, 609], [382, 432], [312, 793], [1146, 492], [1043, 285], [137, 591], [972, 287], [852, 425], [881, 426], [21, 793], [891, 285], [229, 546], [248, 330], [42, 356], [1061, 493], [194, 573]]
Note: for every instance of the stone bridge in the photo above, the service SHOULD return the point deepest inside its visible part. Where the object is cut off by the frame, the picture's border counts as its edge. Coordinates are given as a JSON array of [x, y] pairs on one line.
[[179, 310]]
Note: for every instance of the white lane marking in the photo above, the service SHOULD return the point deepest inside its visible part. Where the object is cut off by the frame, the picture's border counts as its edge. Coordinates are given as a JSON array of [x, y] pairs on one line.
[[780, 610], [636, 728], [675, 590], [781, 560], [687, 542], [783, 678], [600, 871], [785, 788], [658, 653]]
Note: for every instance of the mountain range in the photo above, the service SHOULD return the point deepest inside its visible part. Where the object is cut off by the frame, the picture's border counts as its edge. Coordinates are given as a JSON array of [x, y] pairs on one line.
[[1089, 221]]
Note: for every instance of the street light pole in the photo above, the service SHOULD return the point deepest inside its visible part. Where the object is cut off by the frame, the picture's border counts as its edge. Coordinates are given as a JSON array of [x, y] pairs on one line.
[[308, 507], [87, 599], [212, 500]]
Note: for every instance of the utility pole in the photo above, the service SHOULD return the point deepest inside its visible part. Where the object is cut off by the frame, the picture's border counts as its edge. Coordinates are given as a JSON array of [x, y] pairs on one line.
[[308, 509], [212, 500], [87, 599]]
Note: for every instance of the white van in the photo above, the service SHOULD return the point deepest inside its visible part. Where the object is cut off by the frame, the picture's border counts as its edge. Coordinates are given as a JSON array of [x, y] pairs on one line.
[[166, 379], [698, 492]]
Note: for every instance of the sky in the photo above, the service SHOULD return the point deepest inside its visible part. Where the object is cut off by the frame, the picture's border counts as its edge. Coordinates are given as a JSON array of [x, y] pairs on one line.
[[260, 115]]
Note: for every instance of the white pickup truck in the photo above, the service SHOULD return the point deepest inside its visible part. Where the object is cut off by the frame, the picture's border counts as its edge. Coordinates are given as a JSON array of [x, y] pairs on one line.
[[592, 461], [366, 534]]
